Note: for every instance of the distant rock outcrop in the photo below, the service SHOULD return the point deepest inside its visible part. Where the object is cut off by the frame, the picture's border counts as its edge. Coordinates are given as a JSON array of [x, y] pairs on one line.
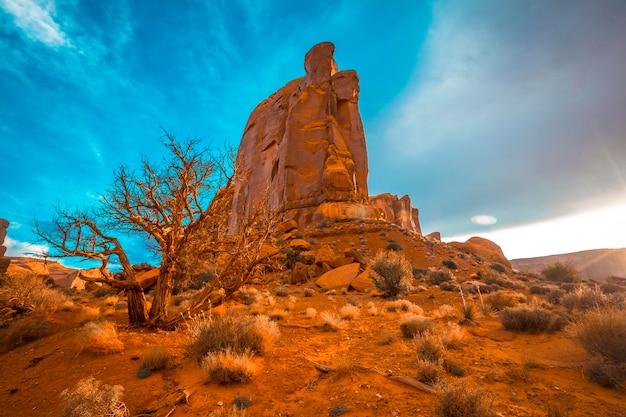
[[484, 248], [4, 225], [397, 210], [596, 264]]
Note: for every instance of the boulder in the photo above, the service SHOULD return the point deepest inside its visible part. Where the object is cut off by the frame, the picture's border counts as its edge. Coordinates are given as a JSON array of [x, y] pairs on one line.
[[340, 277], [286, 226], [324, 255], [341, 261], [300, 244], [363, 282]]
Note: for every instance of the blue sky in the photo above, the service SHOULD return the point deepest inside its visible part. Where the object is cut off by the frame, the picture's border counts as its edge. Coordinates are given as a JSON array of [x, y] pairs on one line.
[[514, 110]]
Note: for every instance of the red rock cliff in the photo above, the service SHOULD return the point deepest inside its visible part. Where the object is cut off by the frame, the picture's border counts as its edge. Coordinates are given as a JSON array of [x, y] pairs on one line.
[[303, 149], [397, 210]]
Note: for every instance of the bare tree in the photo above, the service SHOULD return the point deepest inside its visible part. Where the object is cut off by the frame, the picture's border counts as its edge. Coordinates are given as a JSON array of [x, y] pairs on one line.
[[76, 234]]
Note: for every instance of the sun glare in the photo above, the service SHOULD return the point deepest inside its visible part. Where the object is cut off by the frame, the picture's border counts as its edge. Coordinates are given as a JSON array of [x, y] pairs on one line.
[[598, 229]]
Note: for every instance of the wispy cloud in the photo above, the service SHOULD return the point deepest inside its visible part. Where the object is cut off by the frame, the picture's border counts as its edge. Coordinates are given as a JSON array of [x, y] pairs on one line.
[[36, 20], [21, 249]]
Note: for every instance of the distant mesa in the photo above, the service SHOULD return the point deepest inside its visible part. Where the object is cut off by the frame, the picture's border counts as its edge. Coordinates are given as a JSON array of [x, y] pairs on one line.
[[303, 153]]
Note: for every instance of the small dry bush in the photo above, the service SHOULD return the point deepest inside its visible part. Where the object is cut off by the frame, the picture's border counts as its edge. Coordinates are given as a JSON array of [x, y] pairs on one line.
[[228, 412], [330, 322], [445, 311], [88, 314], [453, 337], [386, 338], [27, 328], [238, 332], [228, 366], [157, 357], [349, 312], [91, 398], [606, 372], [437, 277], [429, 372], [412, 325], [371, 309], [20, 294], [429, 347], [111, 300], [248, 295], [461, 400], [531, 319], [392, 276], [100, 338], [500, 300], [281, 291], [584, 298], [278, 314], [559, 272]]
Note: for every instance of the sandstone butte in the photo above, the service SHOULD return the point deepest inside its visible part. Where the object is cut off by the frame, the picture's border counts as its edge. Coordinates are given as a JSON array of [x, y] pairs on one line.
[[303, 153]]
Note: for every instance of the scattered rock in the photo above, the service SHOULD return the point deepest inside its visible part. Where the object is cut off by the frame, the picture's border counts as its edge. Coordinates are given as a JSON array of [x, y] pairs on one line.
[[340, 277]]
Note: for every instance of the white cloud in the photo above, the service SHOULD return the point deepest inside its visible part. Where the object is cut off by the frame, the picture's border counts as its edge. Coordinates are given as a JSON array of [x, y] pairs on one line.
[[23, 249], [597, 229], [36, 21]]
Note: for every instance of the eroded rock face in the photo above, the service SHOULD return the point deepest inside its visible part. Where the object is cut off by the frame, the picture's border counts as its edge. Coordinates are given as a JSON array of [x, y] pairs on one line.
[[484, 248], [397, 210], [4, 225], [303, 149]]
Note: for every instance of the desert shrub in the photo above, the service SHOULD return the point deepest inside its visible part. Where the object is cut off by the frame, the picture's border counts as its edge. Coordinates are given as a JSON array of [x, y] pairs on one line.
[[23, 293], [429, 372], [491, 277], [531, 319], [228, 366], [372, 310], [352, 300], [392, 274], [349, 312], [281, 291], [277, 314], [88, 314], [412, 325], [27, 328], [248, 295], [610, 288], [569, 286], [444, 311], [584, 298], [461, 400], [242, 401], [555, 295], [237, 332], [450, 264], [501, 300], [419, 272], [292, 256], [157, 357], [437, 277], [100, 337], [539, 289], [202, 279], [103, 292], [91, 398], [393, 246], [330, 322], [308, 292], [603, 332], [429, 347], [559, 272], [498, 267], [338, 410], [606, 372]]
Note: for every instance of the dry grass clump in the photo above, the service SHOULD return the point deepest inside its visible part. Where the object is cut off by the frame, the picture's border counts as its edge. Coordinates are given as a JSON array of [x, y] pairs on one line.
[[349, 312], [228, 366], [559, 272], [392, 276], [330, 322], [240, 333], [27, 328], [228, 412], [531, 319], [23, 293], [309, 292], [278, 314], [111, 300], [412, 325], [500, 300], [453, 337], [445, 311], [88, 314], [585, 298], [437, 277], [603, 332], [386, 338], [248, 295], [281, 291], [91, 398], [429, 372], [461, 400], [429, 347], [100, 338], [157, 357]]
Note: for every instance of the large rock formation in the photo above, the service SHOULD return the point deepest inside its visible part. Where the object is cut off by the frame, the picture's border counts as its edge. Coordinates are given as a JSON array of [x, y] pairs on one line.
[[484, 248], [303, 149], [4, 225], [397, 210]]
